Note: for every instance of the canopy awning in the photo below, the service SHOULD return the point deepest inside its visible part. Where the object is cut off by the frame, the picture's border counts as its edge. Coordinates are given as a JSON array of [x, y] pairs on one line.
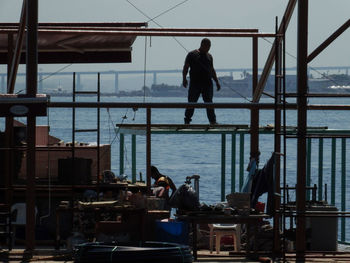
[[71, 43]]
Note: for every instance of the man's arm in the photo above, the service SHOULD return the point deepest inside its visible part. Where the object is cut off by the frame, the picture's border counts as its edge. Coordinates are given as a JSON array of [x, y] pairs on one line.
[[172, 185], [184, 74], [215, 78]]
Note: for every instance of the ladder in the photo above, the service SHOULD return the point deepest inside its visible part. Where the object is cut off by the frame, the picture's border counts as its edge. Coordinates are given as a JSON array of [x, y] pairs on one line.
[[96, 130]]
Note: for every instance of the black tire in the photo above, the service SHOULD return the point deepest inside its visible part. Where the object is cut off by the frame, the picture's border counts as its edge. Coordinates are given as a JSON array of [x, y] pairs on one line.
[[155, 252]]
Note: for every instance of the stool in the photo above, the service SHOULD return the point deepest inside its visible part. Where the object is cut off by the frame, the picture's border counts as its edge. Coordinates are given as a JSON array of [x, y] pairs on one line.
[[220, 230]]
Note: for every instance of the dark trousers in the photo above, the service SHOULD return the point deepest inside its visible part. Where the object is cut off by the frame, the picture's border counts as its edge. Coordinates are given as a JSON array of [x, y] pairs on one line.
[[193, 95]]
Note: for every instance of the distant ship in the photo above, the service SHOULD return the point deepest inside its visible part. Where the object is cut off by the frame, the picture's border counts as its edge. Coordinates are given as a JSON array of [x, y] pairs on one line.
[[242, 87]]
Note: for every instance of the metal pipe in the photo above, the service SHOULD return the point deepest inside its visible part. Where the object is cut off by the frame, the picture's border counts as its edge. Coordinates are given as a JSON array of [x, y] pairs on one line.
[[277, 137], [308, 167], [131, 29], [133, 158], [31, 82], [121, 154], [333, 169], [233, 163], [241, 160], [343, 187], [105, 24], [148, 147], [269, 62], [148, 33], [328, 41], [302, 123], [320, 168], [18, 49], [223, 166], [108, 26], [98, 133], [262, 106], [254, 113]]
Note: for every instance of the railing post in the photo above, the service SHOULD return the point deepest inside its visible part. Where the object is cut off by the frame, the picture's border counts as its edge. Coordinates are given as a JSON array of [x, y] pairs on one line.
[[343, 186], [333, 167], [320, 168], [241, 160], [233, 163], [223, 165], [308, 168], [148, 147], [121, 154], [133, 158]]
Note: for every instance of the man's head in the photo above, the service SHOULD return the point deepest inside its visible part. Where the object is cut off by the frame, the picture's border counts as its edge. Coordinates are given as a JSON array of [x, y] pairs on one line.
[[205, 45], [155, 174]]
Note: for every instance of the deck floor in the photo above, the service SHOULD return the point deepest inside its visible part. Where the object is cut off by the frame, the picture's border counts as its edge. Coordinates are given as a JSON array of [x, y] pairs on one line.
[[51, 255]]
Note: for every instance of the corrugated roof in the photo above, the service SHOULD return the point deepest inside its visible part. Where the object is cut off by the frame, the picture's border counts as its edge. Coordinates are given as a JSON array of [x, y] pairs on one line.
[[74, 42]]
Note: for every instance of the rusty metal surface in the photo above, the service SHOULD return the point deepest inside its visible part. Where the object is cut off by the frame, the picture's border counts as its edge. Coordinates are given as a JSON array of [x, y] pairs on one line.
[[83, 44]]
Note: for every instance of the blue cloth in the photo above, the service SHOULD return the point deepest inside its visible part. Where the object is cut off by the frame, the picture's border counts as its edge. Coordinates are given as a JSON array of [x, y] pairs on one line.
[[247, 185], [264, 182]]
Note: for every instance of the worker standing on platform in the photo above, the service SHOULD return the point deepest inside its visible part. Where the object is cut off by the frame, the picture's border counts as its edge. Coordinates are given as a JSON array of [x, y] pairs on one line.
[[162, 184], [200, 63]]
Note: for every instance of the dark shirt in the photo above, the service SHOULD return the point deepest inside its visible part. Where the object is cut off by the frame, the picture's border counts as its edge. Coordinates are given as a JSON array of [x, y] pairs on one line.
[[201, 67], [264, 182]]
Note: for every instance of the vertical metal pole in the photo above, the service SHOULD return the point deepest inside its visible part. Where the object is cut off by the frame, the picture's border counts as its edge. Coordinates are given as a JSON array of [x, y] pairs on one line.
[[223, 165], [254, 113], [333, 169], [31, 82], [148, 148], [308, 168], [9, 154], [302, 124], [241, 160], [343, 187], [277, 138], [121, 154], [73, 132], [98, 133], [233, 163], [133, 158], [320, 168]]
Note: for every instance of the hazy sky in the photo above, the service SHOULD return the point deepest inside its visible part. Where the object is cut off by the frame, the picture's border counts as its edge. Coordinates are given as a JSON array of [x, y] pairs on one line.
[[325, 16]]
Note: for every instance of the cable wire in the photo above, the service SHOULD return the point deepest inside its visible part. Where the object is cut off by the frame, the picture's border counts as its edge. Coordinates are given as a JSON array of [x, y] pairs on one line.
[[151, 19], [292, 56], [168, 10], [54, 73]]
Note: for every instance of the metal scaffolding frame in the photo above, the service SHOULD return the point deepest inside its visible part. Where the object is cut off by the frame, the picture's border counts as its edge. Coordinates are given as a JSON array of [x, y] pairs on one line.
[[301, 106]]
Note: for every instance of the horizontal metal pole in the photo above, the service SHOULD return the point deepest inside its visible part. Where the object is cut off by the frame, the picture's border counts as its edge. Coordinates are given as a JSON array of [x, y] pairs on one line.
[[147, 33], [262, 106], [116, 28], [328, 107], [321, 95], [266, 106]]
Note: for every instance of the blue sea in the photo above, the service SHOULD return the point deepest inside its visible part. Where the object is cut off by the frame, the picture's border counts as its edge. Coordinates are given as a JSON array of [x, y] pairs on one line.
[[179, 156]]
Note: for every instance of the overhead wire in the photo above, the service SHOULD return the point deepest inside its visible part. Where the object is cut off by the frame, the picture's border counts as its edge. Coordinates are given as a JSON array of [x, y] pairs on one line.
[[159, 25], [164, 12], [319, 72], [168, 10], [116, 130], [54, 73]]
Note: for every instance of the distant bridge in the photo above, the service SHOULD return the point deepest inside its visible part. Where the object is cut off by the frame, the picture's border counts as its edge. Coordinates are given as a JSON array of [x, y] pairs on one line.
[[155, 73]]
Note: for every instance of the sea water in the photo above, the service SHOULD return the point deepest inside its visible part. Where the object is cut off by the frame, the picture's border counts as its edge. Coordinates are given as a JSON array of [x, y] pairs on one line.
[[181, 155]]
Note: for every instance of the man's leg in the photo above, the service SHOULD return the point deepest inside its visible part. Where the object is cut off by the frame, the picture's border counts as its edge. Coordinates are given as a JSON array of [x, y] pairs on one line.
[[193, 95], [208, 97]]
